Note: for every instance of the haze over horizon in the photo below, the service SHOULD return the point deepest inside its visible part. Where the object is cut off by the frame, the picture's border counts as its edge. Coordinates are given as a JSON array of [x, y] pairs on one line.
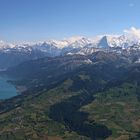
[[36, 20]]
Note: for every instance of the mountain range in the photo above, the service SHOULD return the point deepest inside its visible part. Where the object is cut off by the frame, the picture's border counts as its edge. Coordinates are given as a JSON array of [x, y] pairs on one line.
[[13, 54]]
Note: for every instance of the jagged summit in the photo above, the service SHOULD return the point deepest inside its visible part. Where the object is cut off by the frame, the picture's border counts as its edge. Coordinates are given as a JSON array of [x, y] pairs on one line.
[[16, 53]]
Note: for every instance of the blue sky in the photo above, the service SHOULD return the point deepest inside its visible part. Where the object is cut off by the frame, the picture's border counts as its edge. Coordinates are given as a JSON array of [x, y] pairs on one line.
[[33, 20]]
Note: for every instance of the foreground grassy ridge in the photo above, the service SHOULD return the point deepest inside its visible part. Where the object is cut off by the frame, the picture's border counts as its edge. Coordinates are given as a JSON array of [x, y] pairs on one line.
[[31, 121], [119, 109]]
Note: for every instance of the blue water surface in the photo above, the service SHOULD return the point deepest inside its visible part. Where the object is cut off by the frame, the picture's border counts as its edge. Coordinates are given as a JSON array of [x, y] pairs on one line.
[[7, 90]]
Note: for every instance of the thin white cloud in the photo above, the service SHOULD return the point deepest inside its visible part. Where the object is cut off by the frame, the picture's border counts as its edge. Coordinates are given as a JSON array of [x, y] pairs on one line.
[[132, 33], [131, 4]]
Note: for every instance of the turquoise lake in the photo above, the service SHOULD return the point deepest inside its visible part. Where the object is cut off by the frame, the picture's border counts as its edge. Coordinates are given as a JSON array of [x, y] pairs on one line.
[[7, 90]]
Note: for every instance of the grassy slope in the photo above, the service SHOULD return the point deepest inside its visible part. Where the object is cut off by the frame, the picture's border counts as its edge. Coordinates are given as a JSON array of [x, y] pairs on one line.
[[31, 119], [118, 109]]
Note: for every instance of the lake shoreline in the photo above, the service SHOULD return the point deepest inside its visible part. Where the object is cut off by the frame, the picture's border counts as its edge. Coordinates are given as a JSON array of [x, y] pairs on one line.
[[7, 89], [21, 89]]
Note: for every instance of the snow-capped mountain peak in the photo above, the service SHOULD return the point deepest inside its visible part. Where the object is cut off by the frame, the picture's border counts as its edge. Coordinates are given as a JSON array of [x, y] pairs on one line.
[[78, 44], [16, 53], [4, 45]]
